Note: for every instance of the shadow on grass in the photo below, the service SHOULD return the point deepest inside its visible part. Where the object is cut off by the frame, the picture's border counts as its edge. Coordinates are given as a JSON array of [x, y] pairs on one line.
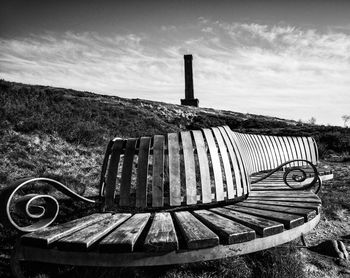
[[278, 262]]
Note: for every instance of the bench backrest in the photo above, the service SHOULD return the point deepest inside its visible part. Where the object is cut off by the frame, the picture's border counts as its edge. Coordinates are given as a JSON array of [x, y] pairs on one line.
[[185, 168], [263, 152], [193, 167]]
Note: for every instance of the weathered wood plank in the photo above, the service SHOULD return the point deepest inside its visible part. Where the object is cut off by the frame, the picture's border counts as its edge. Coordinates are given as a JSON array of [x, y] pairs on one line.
[[243, 175], [112, 173], [286, 199], [203, 165], [86, 237], [316, 207], [225, 160], [162, 235], [190, 168], [233, 159], [308, 214], [127, 172], [219, 186], [142, 172], [289, 220], [230, 232], [174, 170], [158, 171], [262, 226], [49, 235], [195, 233], [123, 238]]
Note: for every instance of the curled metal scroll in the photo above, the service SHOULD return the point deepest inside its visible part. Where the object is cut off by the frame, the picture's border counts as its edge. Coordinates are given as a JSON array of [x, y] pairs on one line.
[[298, 175], [41, 208]]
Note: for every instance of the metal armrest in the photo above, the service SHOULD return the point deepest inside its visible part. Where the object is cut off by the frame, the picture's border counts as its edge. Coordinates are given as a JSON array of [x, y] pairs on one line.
[[299, 176], [42, 214]]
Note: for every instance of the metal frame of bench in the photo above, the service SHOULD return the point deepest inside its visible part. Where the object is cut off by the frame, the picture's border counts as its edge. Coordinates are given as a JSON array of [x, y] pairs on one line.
[[179, 198]]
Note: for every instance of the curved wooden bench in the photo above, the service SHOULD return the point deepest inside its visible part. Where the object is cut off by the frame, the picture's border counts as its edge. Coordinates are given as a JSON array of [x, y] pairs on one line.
[[179, 198]]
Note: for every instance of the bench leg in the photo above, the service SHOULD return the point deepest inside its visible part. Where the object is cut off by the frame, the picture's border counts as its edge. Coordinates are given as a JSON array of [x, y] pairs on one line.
[[15, 263]]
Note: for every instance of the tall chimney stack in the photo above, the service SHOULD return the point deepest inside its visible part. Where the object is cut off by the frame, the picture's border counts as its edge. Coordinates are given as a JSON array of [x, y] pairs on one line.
[[189, 94]]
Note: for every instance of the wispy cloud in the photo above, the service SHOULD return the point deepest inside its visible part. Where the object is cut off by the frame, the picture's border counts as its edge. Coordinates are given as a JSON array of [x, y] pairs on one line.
[[277, 70]]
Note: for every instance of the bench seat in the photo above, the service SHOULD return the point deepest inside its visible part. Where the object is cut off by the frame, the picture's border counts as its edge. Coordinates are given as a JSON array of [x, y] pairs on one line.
[[263, 220]]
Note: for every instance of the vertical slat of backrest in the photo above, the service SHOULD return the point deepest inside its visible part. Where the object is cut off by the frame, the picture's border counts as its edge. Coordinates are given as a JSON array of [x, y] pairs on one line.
[[313, 150], [288, 148], [293, 150], [284, 148], [216, 165], [302, 150], [158, 171], [105, 164], [225, 160], [233, 159], [256, 152], [203, 165], [316, 150], [297, 149], [274, 151], [269, 152], [248, 150], [127, 172], [263, 160], [241, 181], [278, 150], [241, 147], [190, 169], [112, 173], [307, 149], [174, 169], [244, 173], [142, 172]]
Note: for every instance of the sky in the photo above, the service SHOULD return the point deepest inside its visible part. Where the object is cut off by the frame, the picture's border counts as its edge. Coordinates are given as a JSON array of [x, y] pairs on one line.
[[288, 59]]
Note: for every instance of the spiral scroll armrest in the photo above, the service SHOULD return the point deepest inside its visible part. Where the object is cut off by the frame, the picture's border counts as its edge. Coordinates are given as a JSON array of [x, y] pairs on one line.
[[43, 214], [298, 178]]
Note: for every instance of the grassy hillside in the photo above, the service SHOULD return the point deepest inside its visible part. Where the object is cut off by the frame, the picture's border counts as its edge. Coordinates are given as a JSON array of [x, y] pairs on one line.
[[63, 133]]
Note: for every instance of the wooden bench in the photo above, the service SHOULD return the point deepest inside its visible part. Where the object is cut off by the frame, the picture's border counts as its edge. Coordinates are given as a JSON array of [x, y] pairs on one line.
[[179, 198]]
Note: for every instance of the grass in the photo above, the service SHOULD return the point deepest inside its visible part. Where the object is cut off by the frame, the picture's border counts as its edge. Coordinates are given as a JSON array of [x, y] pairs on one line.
[[62, 134]]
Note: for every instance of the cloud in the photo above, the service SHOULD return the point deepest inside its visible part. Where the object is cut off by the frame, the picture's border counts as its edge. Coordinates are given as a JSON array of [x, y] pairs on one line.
[[277, 70]]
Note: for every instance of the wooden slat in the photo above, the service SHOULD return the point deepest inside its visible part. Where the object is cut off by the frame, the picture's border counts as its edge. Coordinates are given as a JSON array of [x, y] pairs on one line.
[[260, 152], [289, 220], [307, 149], [174, 169], [195, 233], [158, 171], [226, 163], [127, 172], [215, 160], [308, 214], [190, 168], [316, 207], [229, 231], [142, 172], [123, 238], [112, 173], [262, 226], [233, 159], [312, 150], [203, 166], [86, 237], [49, 235], [286, 199], [162, 236], [243, 175]]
